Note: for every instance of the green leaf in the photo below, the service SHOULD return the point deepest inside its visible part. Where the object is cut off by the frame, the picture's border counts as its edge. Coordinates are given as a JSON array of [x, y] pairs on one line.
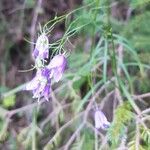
[[77, 84], [122, 117], [88, 143], [9, 101]]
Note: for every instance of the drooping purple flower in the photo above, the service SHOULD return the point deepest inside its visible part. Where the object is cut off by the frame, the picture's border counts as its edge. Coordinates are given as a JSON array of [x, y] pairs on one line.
[[40, 84], [57, 66], [101, 120], [41, 47]]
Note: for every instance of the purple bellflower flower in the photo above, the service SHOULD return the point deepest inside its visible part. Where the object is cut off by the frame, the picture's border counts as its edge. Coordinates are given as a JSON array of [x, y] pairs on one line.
[[57, 66], [40, 84], [101, 120], [41, 47]]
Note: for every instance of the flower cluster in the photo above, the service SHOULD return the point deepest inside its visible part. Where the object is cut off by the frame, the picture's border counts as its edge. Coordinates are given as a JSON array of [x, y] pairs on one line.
[[101, 120], [41, 83]]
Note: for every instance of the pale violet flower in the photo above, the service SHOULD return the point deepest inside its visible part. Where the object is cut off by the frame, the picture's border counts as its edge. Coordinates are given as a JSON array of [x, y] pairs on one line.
[[42, 47], [100, 120], [57, 66], [40, 84]]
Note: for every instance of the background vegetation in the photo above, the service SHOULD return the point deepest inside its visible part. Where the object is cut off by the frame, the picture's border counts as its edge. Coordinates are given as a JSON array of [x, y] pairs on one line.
[[108, 48]]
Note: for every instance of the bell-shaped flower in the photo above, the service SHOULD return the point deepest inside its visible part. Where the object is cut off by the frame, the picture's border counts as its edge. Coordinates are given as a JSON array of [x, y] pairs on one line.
[[101, 120], [40, 84], [57, 66], [42, 47]]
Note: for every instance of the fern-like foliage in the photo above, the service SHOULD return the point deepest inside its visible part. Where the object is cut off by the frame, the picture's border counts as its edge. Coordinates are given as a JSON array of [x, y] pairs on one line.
[[132, 146], [123, 116], [145, 135], [144, 140], [138, 32]]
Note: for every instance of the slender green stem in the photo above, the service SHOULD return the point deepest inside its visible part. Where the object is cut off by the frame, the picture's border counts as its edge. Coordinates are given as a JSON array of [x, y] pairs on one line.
[[34, 140], [119, 82], [97, 3]]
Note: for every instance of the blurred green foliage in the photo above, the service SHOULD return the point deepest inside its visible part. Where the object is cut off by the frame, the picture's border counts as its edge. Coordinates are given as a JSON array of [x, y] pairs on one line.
[[96, 32]]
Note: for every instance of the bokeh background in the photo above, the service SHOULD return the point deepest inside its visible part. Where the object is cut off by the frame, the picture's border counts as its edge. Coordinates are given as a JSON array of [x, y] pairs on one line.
[[19, 25]]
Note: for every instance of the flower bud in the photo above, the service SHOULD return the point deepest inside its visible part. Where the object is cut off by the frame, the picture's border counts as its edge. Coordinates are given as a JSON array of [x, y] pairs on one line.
[[41, 47], [101, 120]]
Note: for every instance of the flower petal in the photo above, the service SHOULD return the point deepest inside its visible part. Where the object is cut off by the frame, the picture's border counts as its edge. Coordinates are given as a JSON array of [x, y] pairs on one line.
[[57, 75], [33, 84], [98, 123], [45, 54], [36, 93], [46, 72], [57, 61], [46, 92], [35, 53], [101, 120]]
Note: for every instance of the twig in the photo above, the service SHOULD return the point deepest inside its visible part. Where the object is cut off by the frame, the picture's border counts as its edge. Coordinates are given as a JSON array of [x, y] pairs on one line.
[[141, 96], [73, 136], [13, 91], [64, 127], [137, 140], [96, 140], [34, 21], [146, 118], [52, 114], [146, 111], [103, 143], [30, 106], [81, 126], [94, 129]]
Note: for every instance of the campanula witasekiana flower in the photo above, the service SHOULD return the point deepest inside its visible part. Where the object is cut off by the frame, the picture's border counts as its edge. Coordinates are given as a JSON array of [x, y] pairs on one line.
[[57, 66], [101, 120], [41, 48], [40, 84]]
